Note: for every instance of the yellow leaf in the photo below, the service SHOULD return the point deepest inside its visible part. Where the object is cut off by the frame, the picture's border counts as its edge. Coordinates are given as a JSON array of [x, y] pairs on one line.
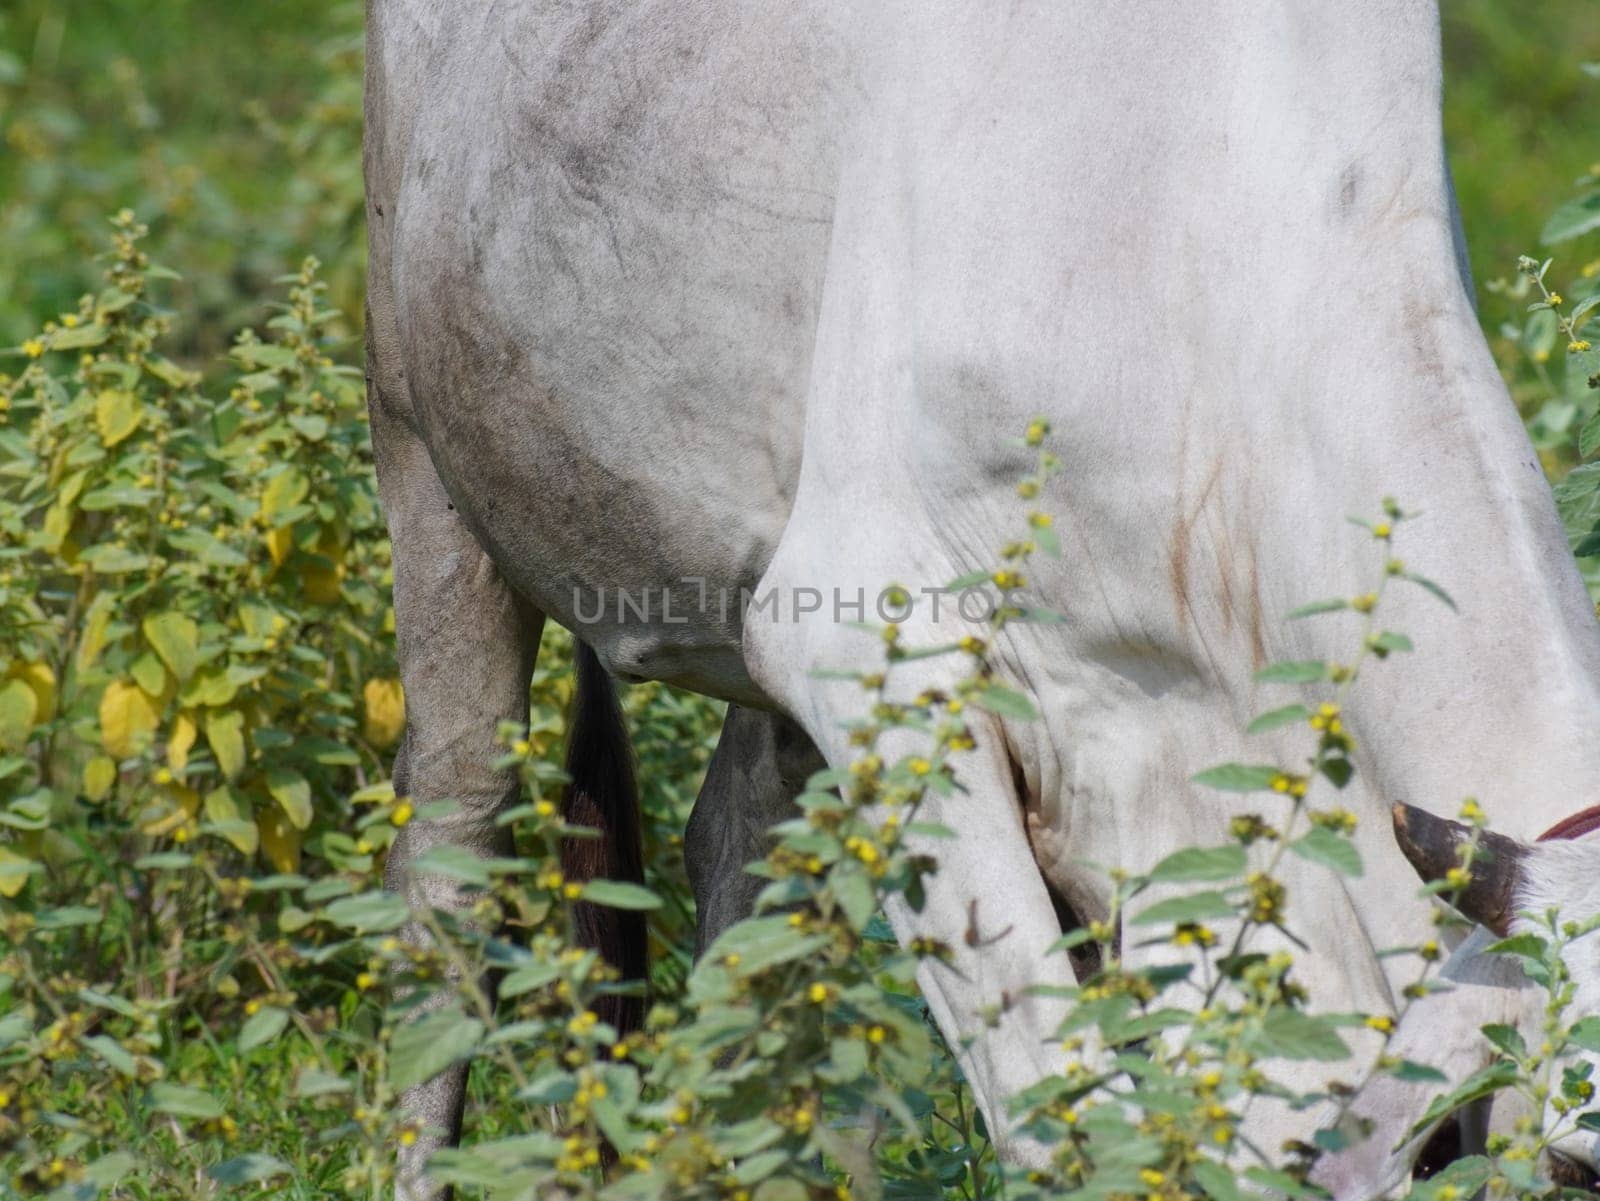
[[14, 872], [321, 584], [40, 677], [58, 519], [116, 413], [225, 733], [128, 716], [95, 624], [176, 639], [283, 492], [99, 777], [279, 543], [280, 842], [180, 742], [18, 709], [183, 805], [385, 702], [222, 808]]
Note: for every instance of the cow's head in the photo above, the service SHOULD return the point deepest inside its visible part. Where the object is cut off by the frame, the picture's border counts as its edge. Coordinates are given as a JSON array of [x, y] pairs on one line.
[[1509, 887]]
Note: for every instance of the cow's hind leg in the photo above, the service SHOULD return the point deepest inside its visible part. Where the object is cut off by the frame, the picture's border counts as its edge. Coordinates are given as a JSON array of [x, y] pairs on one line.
[[761, 764], [466, 647]]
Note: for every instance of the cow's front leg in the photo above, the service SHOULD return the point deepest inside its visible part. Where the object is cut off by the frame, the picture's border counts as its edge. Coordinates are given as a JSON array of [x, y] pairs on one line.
[[761, 764], [466, 649], [987, 903]]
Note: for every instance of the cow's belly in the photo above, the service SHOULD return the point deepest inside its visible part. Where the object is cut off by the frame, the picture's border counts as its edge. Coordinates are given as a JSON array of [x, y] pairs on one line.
[[609, 250]]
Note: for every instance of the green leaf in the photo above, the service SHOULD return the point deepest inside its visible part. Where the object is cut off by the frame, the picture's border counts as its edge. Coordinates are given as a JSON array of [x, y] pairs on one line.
[[368, 913], [1238, 777], [290, 790], [1421, 1073], [1006, 702], [1578, 502], [169, 373], [1302, 671], [1285, 716], [1324, 846], [1196, 864], [262, 1027], [114, 1053], [184, 1102], [1332, 605], [1589, 436], [1290, 1034], [619, 894], [1585, 1033], [1428, 585], [314, 1082], [1338, 770], [1218, 1181], [176, 639], [1390, 641], [452, 863], [110, 1170], [1573, 219], [1506, 1038], [423, 1048], [854, 891], [1485, 1082], [149, 673], [1525, 946], [1196, 907], [248, 1169]]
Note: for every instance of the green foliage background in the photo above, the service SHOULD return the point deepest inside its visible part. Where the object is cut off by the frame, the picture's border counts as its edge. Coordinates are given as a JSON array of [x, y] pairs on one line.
[[163, 954]]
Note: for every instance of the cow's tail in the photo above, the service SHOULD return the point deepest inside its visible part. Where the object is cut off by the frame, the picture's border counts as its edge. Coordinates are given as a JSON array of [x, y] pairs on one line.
[[601, 794]]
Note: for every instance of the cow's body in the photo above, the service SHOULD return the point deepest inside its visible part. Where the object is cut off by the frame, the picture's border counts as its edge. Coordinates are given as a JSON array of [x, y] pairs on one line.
[[745, 296]]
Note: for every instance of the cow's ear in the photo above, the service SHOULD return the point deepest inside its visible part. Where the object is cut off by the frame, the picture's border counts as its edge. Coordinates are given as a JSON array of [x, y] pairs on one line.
[[1434, 846]]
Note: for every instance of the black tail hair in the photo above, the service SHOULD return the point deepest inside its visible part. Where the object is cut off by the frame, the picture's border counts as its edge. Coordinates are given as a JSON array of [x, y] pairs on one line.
[[601, 794]]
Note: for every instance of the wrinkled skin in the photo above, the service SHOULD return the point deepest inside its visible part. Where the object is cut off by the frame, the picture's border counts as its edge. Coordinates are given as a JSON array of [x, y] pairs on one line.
[[753, 294]]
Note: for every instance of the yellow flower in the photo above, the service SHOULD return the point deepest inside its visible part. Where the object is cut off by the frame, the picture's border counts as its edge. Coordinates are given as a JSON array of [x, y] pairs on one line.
[[572, 891], [70, 321], [408, 1136], [1380, 1022], [365, 981], [1577, 347], [1555, 298], [1038, 430], [817, 994], [33, 348], [1382, 530], [403, 812]]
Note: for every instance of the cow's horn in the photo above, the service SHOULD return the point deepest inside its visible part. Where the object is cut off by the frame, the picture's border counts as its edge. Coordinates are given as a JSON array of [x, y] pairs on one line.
[[1433, 845]]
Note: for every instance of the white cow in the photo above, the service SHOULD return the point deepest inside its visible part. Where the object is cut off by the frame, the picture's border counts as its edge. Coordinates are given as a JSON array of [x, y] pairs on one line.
[[739, 295]]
